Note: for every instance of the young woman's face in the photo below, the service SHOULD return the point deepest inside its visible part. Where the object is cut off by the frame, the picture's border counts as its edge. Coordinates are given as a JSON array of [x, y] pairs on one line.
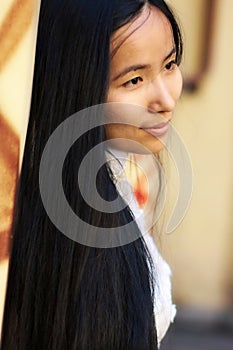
[[143, 72]]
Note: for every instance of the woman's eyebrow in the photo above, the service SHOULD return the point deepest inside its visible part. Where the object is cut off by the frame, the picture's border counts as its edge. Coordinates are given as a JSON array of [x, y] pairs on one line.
[[136, 67], [129, 69], [173, 50]]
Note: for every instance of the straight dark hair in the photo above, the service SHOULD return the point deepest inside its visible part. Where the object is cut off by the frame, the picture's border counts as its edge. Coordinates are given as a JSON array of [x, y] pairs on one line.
[[62, 294]]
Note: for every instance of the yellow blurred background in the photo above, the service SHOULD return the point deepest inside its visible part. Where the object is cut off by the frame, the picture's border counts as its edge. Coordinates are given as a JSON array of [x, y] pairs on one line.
[[200, 251]]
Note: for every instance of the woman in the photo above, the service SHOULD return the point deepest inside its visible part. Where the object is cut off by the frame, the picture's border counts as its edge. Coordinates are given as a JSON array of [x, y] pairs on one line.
[[62, 294]]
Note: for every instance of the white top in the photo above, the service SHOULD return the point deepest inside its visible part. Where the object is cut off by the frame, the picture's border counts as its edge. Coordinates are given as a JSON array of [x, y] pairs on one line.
[[164, 310]]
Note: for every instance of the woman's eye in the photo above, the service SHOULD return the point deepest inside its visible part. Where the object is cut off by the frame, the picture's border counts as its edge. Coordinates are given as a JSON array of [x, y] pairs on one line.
[[170, 65], [133, 82]]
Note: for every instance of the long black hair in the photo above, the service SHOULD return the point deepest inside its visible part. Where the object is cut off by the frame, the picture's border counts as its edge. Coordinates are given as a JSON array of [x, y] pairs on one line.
[[62, 294]]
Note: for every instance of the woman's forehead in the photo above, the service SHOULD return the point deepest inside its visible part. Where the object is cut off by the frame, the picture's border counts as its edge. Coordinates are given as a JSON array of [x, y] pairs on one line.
[[125, 31], [151, 33], [150, 17]]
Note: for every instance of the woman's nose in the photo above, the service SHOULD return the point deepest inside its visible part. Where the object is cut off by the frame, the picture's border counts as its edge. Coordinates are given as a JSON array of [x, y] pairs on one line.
[[161, 98]]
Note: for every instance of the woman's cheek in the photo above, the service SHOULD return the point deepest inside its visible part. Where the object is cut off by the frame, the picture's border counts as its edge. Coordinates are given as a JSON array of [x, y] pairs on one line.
[[125, 95]]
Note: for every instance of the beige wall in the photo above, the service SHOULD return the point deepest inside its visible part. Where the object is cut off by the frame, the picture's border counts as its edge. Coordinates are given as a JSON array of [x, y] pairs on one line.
[[200, 250], [18, 19]]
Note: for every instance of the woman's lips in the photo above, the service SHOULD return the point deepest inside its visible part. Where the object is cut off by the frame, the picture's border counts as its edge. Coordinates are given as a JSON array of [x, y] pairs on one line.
[[158, 130]]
